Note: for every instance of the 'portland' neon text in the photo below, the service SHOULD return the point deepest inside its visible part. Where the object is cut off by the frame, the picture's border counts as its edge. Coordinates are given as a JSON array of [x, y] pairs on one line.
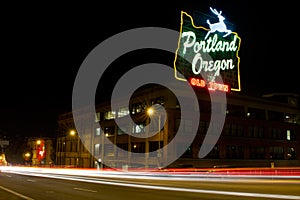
[[212, 44]]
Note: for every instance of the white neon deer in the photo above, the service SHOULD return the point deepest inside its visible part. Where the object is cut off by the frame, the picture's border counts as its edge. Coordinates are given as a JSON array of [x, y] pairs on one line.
[[219, 26]]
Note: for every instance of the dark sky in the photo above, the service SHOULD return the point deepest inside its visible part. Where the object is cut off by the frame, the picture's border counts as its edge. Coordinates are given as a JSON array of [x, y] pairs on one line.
[[44, 44]]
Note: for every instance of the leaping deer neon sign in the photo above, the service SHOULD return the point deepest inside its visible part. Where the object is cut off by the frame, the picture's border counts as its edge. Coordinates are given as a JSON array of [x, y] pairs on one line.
[[211, 53], [219, 26]]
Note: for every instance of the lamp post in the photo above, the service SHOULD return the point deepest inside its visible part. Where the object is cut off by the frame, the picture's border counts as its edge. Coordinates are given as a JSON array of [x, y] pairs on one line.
[[27, 157], [102, 150], [73, 133], [151, 112]]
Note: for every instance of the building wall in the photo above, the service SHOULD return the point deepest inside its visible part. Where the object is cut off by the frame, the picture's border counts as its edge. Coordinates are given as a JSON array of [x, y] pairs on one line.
[[3, 145], [40, 152], [255, 129]]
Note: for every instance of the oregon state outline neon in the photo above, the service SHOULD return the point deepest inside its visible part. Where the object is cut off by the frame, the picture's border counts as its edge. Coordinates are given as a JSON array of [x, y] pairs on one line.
[[197, 43]]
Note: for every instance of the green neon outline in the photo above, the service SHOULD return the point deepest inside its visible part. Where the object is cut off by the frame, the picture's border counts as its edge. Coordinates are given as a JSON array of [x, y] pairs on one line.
[[206, 29]]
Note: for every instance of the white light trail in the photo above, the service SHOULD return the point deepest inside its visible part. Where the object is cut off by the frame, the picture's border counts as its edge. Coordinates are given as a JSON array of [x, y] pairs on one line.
[[63, 174]]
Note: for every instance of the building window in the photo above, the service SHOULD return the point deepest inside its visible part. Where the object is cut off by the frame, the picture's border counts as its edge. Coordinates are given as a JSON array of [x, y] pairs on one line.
[[276, 133], [159, 100], [109, 150], [110, 115], [276, 152], [290, 118], [153, 146], [291, 135], [68, 145], [138, 147], [122, 112], [256, 152], [288, 135], [97, 117], [121, 132], [97, 149], [239, 130], [256, 113], [234, 151], [123, 149], [138, 128], [226, 129], [138, 108], [97, 131], [233, 129], [276, 116], [203, 127], [291, 153], [214, 153], [186, 125], [255, 132], [181, 147], [215, 128]]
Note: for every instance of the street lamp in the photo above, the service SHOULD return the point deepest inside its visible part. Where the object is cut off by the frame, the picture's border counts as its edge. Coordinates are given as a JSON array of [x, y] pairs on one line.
[[27, 156], [73, 133], [151, 112], [102, 150]]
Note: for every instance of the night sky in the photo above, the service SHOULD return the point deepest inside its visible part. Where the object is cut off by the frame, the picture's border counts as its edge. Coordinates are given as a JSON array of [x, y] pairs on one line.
[[44, 44]]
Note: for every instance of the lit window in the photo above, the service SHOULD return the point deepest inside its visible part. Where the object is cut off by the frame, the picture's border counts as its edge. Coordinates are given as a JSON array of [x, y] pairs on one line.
[[97, 117], [139, 108], [97, 131], [122, 112], [110, 115], [138, 128], [97, 149], [288, 135]]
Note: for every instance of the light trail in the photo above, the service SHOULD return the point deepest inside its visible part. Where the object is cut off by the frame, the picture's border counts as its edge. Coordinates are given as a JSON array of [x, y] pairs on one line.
[[148, 175], [68, 175]]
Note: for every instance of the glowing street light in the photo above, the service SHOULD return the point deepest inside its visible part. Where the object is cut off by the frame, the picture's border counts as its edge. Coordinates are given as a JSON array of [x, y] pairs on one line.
[[73, 133], [27, 155], [150, 111]]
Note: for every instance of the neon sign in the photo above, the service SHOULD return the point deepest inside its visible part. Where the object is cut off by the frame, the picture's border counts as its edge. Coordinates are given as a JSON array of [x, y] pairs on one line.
[[218, 26], [211, 85], [208, 54], [40, 149]]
